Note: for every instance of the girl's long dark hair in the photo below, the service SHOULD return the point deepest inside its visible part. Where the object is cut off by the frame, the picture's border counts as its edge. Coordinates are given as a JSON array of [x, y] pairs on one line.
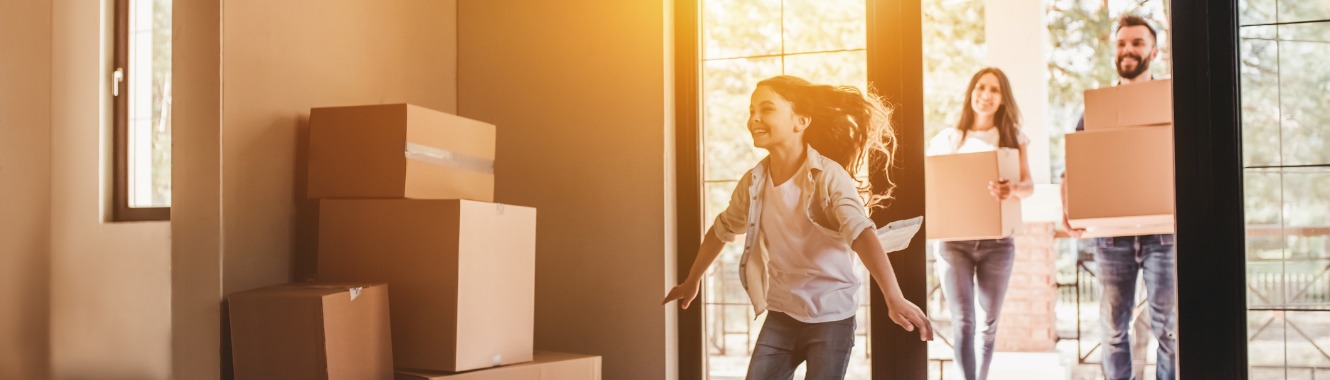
[[1008, 117], [847, 126]]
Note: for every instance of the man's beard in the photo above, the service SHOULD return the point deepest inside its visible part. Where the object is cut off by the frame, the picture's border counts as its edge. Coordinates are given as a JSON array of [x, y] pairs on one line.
[[1141, 66]]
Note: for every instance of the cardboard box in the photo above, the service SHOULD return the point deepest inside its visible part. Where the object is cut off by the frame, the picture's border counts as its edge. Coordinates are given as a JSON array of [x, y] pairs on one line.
[[959, 206], [1120, 182], [1144, 227], [1138, 104], [463, 275], [544, 366], [312, 331], [399, 151]]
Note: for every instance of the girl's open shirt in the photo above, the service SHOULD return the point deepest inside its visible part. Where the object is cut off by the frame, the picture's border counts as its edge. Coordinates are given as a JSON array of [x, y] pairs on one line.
[[833, 205]]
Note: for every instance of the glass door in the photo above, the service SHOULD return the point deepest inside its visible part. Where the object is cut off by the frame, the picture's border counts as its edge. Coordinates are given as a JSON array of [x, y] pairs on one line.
[[1284, 47]]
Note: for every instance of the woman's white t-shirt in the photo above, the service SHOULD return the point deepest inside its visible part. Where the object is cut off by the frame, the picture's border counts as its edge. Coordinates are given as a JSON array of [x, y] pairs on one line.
[[812, 277], [948, 141]]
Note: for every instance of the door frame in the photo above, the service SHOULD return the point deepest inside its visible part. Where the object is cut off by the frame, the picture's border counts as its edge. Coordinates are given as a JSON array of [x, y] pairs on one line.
[[895, 69], [1207, 143], [1208, 181]]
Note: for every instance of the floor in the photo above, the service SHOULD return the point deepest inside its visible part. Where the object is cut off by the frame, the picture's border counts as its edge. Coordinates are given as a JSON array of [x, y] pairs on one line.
[[1059, 364]]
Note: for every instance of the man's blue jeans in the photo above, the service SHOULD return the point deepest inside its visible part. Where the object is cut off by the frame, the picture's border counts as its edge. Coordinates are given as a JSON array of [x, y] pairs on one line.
[[785, 342], [1120, 261], [969, 271]]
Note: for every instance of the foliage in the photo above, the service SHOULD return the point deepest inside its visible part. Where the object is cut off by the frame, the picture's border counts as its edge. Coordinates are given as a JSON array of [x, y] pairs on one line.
[[954, 49]]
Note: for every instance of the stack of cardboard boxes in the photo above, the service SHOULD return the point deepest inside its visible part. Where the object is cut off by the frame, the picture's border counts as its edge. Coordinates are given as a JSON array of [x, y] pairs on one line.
[[1120, 169], [406, 198]]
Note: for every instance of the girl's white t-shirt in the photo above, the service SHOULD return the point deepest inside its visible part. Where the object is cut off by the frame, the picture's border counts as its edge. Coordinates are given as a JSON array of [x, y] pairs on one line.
[[811, 273], [948, 141]]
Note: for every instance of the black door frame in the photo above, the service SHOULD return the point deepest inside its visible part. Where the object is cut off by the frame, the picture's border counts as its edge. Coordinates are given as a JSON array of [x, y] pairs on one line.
[[895, 71], [1207, 140], [688, 180], [1208, 157]]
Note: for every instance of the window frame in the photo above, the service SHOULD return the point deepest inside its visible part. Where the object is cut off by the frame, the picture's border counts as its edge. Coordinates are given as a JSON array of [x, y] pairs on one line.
[[121, 211]]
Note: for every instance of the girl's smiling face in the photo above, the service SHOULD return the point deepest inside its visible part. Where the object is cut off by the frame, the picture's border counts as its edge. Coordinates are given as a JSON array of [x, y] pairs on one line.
[[772, 120]]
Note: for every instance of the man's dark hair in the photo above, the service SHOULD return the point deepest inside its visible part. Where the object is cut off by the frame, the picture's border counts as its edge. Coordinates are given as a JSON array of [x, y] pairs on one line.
[[1134, 20]]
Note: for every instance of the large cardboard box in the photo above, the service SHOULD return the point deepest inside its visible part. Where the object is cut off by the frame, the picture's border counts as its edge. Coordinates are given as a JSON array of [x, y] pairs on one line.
[[312, 331], [544, 366], [399, 151], [463, 275], [1120, 182], [1130, 105], [959, 206]]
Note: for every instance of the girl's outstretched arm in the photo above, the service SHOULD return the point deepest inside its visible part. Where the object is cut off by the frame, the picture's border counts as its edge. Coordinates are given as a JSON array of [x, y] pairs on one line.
[[901, 311], [706, 254]]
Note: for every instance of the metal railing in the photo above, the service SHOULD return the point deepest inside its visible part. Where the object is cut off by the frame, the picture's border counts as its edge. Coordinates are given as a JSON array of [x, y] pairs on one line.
[[1306, 288]]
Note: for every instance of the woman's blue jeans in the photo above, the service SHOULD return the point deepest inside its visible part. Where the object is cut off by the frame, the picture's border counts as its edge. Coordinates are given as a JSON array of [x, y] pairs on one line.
[[975, 270]]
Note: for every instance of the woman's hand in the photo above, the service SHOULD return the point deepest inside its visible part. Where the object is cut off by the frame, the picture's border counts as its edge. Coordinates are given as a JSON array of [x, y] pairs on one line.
[[684, 292], [1000, 189], [910, 317]]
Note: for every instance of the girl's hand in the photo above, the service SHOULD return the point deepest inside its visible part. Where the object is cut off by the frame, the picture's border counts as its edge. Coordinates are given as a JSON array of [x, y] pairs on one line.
[[684, 292], [1000, 189], [910, 317]]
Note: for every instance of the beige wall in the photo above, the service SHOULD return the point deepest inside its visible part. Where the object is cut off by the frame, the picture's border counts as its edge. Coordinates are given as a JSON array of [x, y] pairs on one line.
[[25, 184], [195, 190], [581, 93], [110, 287], [241, 221], [280, 59]]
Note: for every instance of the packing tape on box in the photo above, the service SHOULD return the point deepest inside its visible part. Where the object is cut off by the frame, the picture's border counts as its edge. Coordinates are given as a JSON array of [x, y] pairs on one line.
[[447, 158], [354, 290]]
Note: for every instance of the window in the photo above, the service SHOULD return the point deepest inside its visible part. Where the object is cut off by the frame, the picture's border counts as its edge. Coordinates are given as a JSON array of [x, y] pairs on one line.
[[1286, 173], [141, 98], [743, 42]]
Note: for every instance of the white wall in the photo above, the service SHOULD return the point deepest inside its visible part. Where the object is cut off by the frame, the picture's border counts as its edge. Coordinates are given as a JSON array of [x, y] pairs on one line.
[[25, 185], [1015, 32], [581, 92]]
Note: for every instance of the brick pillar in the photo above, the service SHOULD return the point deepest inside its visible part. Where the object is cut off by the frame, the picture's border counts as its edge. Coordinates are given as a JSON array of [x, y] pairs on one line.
[[1029, 322]]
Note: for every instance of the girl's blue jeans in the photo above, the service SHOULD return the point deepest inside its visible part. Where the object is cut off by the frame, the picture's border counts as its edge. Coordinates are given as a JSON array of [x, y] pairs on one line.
[[785, 342]]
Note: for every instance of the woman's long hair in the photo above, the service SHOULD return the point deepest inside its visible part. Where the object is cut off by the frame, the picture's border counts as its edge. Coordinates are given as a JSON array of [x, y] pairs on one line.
[[846, 126], [1008, 117]]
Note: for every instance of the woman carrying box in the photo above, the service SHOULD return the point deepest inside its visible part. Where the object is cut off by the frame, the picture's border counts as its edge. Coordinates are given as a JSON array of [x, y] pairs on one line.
[[804, 219], [980, 269]]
